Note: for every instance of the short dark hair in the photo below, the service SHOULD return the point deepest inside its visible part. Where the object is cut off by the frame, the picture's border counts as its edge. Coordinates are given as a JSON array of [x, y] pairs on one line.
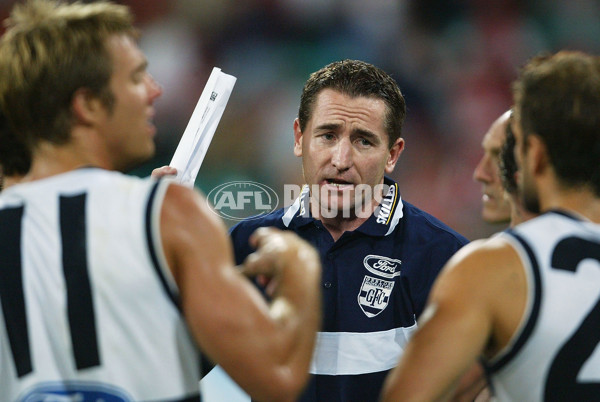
[[557, 97], [508, 164], [356, 78]]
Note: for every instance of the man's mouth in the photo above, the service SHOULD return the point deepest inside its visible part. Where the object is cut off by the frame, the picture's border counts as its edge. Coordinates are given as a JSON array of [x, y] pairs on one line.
[[489, 197], [338, 183]]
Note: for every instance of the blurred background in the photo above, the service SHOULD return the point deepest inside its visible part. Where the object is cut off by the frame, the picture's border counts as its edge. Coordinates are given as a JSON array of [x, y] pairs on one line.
[[454, 60]]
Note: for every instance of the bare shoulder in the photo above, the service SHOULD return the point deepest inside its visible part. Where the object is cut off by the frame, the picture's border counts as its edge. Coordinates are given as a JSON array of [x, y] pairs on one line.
[[184, 207], [191, 231], [485, 257], [487, 275], [484, 270]]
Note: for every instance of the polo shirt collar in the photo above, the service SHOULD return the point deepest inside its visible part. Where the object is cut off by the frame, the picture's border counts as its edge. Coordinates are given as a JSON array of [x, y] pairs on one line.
[[382, 222]]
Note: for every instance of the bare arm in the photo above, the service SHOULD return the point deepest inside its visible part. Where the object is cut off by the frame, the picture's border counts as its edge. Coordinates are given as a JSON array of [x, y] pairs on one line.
[[460, 322], [472, 386], [265, 348]]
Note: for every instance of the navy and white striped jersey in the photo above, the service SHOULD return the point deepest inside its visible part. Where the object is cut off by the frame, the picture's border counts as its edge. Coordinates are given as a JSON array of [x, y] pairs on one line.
[[375, 283], [554, 354], [89, 310]]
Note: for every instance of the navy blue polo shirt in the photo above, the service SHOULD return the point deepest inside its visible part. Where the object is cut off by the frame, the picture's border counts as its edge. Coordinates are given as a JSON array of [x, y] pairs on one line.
[[375, 284]]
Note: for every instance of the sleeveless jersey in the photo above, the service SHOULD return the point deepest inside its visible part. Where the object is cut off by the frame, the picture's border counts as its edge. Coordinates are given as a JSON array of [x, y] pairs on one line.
[[89, 309], [553, 356]]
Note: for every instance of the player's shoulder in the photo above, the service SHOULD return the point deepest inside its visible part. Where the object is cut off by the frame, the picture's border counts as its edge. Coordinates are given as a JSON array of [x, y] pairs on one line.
[[186, 217], [486, 256], [492, 274], [183, 199], [424, 225]]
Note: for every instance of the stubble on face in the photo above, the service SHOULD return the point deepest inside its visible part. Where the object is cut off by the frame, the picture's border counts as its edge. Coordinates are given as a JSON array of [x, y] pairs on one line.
[[128, 127], [526, 185], [344, 145]]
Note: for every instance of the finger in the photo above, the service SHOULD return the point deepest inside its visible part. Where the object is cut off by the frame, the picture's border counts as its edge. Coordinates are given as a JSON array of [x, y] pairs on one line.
[[164, 171], [259, 263], [263, 280], [271, 287], [267, 235]]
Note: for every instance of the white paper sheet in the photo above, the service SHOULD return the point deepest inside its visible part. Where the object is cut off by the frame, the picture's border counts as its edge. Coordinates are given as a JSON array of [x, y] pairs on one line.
[[201, 128]]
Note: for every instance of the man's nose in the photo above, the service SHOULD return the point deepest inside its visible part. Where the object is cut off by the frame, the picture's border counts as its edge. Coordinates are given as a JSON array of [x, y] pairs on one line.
[[483, 172], [342, 155], [155, 89]]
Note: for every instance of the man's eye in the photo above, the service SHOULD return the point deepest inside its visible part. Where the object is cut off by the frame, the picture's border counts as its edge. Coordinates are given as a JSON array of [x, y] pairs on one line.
[[138, 77]]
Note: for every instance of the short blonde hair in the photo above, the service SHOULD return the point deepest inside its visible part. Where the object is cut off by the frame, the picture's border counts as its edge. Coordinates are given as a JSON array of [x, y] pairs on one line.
[[50, 50]]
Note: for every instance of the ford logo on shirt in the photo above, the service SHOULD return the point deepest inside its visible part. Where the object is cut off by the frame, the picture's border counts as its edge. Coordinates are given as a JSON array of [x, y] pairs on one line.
[[382, 266]]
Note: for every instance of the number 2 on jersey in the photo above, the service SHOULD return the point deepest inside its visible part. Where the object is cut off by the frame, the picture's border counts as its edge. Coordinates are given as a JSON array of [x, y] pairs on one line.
[[562, 383]]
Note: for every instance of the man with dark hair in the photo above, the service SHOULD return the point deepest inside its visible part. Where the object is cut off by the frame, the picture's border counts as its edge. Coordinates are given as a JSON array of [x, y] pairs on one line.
[[379, 253], [508, 177], [110, 285], [526, 301], [508, 163]]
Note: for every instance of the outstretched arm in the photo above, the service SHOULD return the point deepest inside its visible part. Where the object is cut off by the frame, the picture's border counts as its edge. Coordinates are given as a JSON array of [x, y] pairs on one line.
[[265, 348]]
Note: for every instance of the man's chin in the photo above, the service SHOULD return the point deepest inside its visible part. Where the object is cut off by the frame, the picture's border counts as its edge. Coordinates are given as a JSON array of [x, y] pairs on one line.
[[495, 218], [136, 161]]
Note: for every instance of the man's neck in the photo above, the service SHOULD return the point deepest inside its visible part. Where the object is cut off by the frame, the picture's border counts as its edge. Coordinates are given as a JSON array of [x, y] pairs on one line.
[[337, 226], [579, 201], [50, 159], [518, 213], [340, 223], [8, 181]]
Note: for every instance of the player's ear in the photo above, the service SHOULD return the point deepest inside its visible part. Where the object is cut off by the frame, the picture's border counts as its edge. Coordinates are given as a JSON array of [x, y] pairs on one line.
[[297, 138], [85, 106], [394, 155], [538, 153]]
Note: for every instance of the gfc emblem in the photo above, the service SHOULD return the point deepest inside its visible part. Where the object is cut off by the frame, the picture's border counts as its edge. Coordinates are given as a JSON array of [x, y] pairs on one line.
[[374, 295]]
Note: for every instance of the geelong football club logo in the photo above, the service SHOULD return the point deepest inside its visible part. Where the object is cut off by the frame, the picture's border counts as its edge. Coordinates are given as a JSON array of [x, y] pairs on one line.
[[374, 295]]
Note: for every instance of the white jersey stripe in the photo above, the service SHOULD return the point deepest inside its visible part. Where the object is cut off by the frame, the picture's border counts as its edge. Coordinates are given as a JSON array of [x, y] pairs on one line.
[[348, 353]]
